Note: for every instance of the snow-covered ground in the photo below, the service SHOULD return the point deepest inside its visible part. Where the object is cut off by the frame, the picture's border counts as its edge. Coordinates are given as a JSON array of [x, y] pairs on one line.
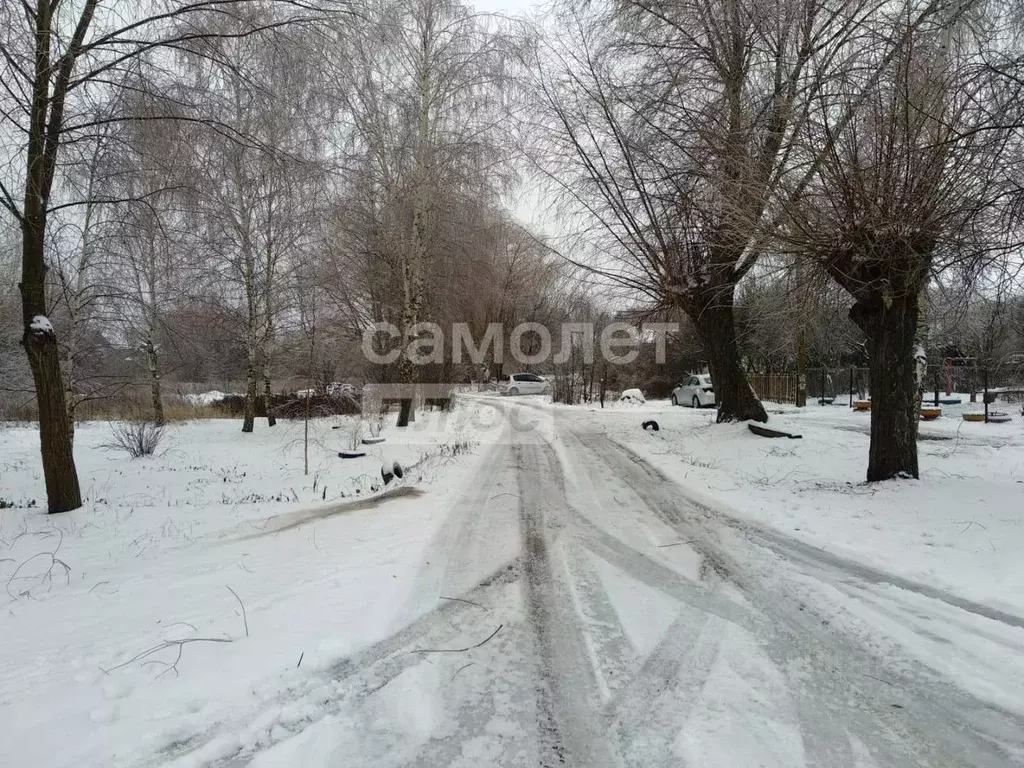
[[170, 548], [548, 585], [959, 527], [936, 561]]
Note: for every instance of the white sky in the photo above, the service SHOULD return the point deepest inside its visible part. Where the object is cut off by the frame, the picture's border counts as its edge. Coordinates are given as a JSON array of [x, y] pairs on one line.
[[511, 7]]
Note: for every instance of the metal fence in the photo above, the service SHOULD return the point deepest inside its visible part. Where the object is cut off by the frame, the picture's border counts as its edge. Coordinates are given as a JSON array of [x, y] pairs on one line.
[[942, 382]]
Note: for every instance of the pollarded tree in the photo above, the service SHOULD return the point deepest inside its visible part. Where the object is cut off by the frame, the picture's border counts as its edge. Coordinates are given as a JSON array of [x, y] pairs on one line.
[[671, 125], [909, 184]]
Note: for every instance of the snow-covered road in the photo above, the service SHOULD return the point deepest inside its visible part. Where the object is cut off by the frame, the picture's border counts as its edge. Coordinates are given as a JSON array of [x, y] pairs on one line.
[[579, 608]]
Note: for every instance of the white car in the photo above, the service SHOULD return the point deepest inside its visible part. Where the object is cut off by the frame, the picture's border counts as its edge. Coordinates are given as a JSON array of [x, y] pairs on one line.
[[523, 384], [695, 391]]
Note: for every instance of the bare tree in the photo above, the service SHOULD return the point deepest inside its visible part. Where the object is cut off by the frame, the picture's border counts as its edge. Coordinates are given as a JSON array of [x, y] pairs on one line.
[[426, 103], [258, 197], [77, 263], [51, 56], [149, 239], [910, 185], [673, 125]]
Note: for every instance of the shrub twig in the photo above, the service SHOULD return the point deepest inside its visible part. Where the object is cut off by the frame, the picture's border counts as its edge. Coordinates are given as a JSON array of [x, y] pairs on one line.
[[245, 619]]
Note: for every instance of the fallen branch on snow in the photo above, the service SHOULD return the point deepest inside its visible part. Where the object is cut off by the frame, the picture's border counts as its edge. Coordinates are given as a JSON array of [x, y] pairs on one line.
[[164, 645], [459, 670], [45, 577], [460, 650], [180, 645], [460, 600]]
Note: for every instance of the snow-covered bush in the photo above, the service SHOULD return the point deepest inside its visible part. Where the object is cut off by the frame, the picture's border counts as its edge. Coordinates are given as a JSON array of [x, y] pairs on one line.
[[632, 396], [136, 438]]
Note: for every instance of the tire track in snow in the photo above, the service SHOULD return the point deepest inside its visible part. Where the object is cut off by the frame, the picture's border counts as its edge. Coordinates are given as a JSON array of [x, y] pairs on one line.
[[825, 561], [647, 715], [544, 669], [567, 690], [836, 678], [477, 536], [356, 678]]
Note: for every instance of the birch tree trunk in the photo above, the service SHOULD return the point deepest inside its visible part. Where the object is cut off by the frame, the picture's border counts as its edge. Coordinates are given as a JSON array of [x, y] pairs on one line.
[[268, 321], [153, 363], [251, 336], [417, 253], [267, 389]]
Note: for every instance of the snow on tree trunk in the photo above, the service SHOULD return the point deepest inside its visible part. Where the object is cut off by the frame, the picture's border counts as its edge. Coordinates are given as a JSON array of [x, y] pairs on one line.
[[40, 342]]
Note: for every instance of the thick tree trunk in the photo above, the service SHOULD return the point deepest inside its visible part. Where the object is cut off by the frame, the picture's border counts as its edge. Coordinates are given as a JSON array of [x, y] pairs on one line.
[[45, 122], [733, 393], [55, 434], [891, 332]]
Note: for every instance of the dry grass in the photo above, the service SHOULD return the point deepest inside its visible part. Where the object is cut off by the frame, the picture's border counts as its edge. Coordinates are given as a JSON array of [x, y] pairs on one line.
[[21, 408], [135, 402], [190, 412]]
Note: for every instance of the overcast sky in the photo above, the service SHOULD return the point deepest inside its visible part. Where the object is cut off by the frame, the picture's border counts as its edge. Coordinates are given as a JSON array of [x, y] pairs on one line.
[[525, 203], [510, 7]]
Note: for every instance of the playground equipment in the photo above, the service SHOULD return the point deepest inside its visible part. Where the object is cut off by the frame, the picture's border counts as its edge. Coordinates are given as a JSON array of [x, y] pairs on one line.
[[993, 417]]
